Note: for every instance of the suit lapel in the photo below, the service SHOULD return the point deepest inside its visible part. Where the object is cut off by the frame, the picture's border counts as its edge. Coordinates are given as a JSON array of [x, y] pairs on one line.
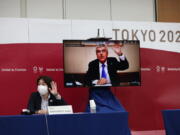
[[109, 64], [96, 69], [110, 68], [39, 101]]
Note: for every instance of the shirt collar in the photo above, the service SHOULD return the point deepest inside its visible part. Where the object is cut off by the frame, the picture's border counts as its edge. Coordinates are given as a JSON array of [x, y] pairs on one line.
[[105, 63], [48, 97]]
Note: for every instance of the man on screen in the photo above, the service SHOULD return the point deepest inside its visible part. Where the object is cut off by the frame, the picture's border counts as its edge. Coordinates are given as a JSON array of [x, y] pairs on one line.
[[103, 70]]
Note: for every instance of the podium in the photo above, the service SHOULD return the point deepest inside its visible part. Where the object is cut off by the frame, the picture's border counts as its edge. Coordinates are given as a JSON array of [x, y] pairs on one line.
[[66, 124], [172, 121]]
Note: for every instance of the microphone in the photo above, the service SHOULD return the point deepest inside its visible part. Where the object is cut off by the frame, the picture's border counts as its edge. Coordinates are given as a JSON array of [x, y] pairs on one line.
[[26, 112]]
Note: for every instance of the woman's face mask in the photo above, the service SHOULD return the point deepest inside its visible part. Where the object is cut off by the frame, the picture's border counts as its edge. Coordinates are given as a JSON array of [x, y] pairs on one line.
[[42, 89]]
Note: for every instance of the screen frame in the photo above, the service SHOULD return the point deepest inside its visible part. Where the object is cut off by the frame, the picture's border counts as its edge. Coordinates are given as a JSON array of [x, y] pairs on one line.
[[79, 44]]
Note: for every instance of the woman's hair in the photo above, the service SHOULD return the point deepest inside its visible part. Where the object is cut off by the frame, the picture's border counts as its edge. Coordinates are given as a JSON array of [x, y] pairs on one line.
[[46, 79]]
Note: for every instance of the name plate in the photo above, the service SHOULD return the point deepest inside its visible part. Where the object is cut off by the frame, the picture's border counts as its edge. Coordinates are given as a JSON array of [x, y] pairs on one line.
[[65, 109]]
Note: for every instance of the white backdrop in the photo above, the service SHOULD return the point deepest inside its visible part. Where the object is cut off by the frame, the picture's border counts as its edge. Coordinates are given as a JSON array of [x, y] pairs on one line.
[[130, 10], [161, 36]]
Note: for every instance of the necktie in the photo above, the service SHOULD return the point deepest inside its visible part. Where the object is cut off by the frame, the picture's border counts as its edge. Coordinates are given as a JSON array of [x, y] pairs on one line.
[[103, 74]]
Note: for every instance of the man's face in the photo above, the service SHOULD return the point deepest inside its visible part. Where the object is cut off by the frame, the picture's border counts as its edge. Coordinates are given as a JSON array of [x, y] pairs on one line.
[[101, 53]]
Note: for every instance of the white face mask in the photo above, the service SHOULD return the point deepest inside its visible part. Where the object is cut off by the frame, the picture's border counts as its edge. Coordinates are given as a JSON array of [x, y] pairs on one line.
[[42, 89]]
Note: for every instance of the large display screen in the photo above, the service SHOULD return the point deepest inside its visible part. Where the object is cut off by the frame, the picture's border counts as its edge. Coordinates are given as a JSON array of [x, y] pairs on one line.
[[98, 63]]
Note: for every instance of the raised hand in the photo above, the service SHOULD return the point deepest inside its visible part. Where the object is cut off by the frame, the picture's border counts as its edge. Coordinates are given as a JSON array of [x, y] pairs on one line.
[[53, 88], [117, 49]]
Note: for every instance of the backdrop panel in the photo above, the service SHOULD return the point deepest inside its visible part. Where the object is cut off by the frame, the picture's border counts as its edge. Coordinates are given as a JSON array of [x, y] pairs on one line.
[[21, 64]]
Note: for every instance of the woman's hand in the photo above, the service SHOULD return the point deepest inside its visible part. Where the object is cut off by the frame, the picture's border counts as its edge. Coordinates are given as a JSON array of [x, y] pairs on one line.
[[54, 90], [42, 112]]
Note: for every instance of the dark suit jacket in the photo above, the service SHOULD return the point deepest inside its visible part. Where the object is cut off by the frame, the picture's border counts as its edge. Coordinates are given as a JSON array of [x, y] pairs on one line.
[[113, 66], [35, 102]]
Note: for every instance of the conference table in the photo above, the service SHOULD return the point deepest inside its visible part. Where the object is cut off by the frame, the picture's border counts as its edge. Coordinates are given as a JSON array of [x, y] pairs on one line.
[[66, 124], [172, 121]]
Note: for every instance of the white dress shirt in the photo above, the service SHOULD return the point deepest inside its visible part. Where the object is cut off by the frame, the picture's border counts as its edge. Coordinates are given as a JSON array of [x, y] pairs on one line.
[[121, 58]]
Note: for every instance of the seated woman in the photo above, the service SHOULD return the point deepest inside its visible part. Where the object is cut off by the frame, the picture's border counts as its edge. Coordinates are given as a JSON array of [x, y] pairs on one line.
[[46, 95]]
